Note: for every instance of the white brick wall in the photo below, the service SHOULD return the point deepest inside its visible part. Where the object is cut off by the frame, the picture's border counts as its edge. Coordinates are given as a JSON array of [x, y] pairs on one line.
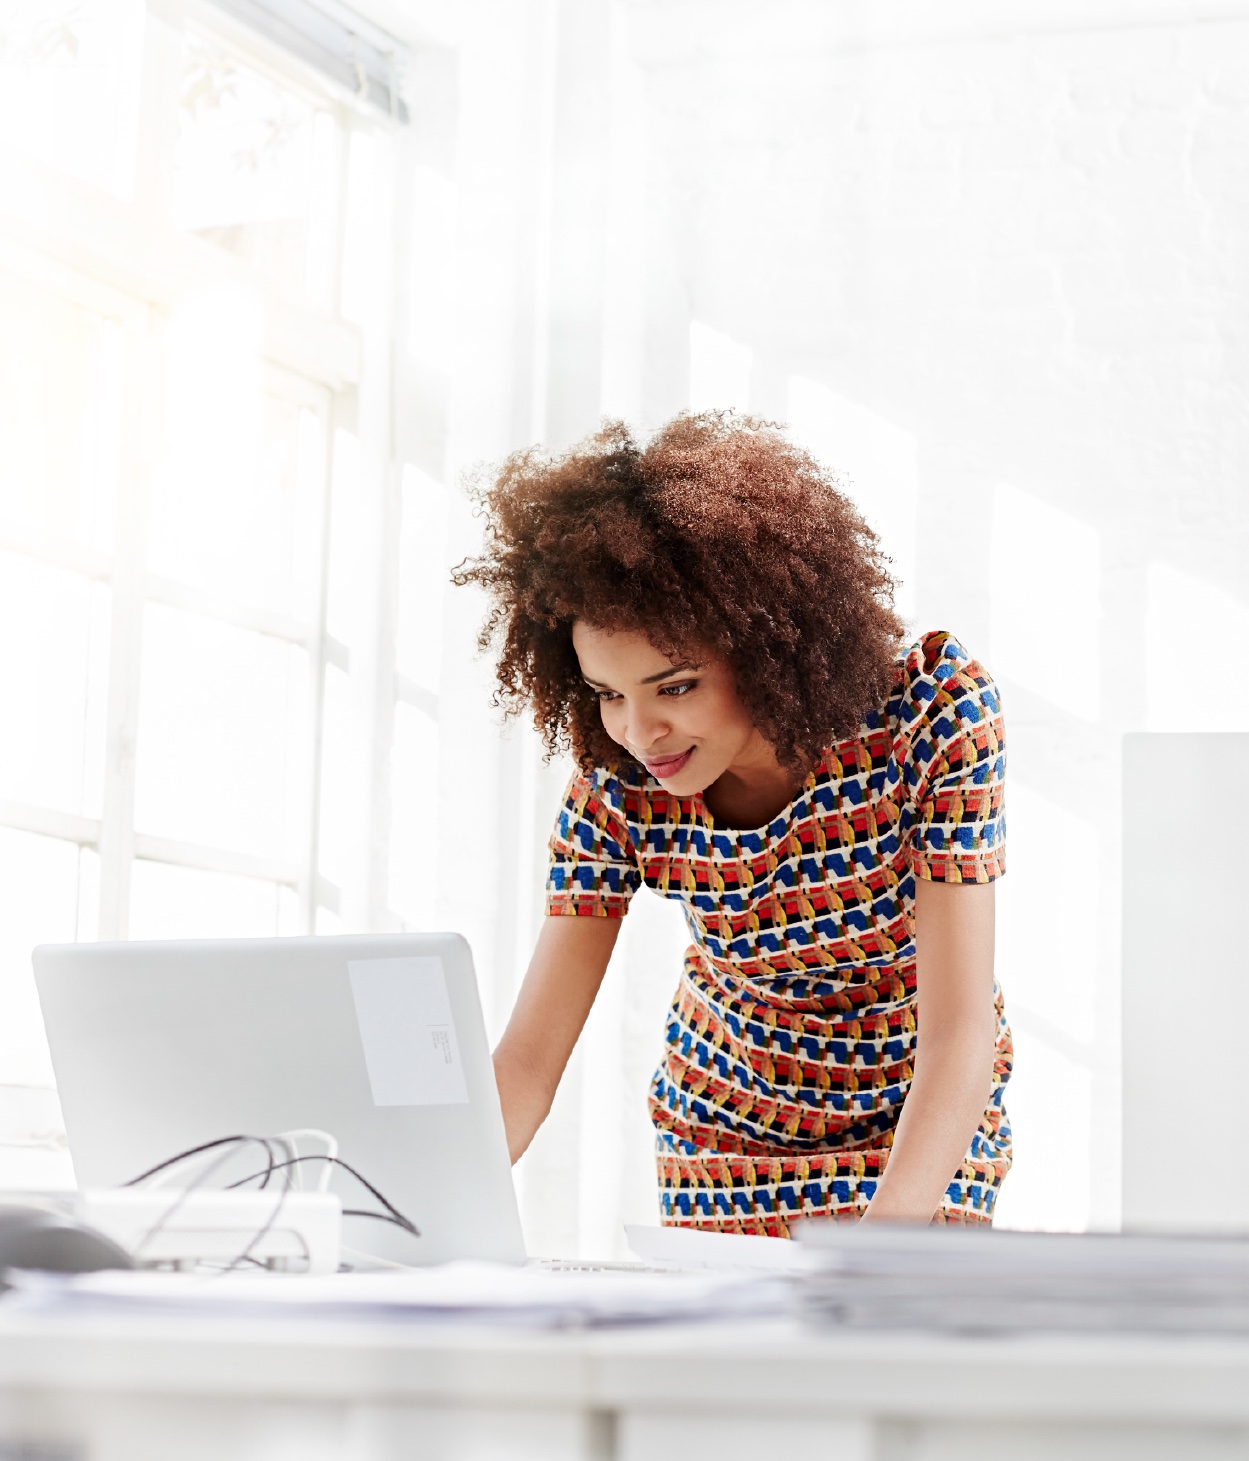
[[1027, 255]]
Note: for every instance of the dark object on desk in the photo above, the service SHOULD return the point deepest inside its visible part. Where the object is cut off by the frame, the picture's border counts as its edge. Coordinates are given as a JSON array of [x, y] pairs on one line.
[[32, 1237]]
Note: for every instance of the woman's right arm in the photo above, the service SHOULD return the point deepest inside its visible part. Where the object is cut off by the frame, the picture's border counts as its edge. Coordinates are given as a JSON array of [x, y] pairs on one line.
[[568, 964]]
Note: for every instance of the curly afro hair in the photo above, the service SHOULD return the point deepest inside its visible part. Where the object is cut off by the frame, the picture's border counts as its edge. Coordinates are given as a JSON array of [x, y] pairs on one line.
[[717, 535]]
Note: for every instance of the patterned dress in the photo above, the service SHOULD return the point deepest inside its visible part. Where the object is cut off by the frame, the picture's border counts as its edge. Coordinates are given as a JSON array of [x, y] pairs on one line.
[[790, 1044]]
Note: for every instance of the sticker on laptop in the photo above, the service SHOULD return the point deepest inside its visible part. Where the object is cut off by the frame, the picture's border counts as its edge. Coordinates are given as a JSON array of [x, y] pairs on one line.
[[408, 1032]]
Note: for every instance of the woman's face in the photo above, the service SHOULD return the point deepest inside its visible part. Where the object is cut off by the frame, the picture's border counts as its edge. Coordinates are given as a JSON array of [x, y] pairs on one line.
[[681, 718]]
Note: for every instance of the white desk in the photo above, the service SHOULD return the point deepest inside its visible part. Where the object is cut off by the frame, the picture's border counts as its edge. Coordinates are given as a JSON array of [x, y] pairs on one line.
[[170, 1391]]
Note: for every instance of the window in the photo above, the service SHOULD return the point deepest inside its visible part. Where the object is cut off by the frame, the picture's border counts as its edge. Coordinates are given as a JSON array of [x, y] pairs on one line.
[[197, 505]]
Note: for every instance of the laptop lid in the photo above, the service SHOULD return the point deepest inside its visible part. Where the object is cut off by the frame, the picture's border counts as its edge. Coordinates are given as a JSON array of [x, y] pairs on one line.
[[377, 1039]]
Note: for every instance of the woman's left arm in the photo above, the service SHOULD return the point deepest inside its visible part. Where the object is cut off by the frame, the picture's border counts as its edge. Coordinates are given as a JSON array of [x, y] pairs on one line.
[[954, 1054]]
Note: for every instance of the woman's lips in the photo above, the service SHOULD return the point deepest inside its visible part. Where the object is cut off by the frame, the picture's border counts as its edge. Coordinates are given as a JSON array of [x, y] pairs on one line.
[[663, 767]]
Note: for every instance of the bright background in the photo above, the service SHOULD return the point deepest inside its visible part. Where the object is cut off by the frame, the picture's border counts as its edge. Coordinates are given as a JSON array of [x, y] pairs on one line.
[[990, 261]]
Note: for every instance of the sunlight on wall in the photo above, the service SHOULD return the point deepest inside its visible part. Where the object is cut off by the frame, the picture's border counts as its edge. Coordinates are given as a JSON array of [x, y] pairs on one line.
[[719, 370], [1047, 965], [250, 161], [338, 835], [213, 522], [52, 754], [222, 753], [1046, 582], [70, 86], [432, 268], [348, 549], [60, 414], [414, 792], [414, 839], [423, 578], [364, 285], [1195, 637], [186, 902], [878, 461], [43, 887]]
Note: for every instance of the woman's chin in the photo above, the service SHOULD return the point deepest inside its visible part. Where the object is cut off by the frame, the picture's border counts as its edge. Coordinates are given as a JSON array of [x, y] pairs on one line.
[[685, 783]]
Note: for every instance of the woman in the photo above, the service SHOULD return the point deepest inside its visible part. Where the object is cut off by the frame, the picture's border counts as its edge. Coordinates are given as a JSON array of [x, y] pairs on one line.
[[707, 623]]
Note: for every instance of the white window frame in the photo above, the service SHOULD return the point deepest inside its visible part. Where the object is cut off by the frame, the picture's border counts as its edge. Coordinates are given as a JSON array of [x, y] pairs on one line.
[[125, 261]]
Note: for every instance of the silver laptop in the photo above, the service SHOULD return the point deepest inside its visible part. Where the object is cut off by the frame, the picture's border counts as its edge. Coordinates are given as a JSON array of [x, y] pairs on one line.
[[375, 1039]]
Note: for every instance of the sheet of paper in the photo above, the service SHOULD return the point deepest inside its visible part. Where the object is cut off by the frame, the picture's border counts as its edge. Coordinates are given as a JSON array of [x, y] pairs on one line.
[[729, 1252], [408, 1032], [450, 1293]]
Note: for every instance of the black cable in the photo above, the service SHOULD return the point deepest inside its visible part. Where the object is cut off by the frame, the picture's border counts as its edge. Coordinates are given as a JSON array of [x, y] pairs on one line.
[[391, 1215], [382, 1217], [194, 1151], [185, 1192], [246, 1254], [396, 1216]]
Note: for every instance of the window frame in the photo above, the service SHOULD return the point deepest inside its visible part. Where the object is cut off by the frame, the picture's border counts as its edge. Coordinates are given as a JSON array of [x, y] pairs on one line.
[[123, 259]]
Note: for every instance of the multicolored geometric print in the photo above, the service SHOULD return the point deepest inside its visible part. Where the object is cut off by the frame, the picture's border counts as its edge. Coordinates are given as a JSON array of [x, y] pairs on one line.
[[790, 1044]]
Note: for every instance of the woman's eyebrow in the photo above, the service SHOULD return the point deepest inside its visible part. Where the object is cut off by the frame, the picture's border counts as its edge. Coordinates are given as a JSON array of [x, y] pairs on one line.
[[663, 674], [649, 680]]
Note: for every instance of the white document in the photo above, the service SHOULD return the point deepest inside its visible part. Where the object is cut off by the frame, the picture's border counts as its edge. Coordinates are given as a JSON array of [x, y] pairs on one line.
[[672, 1247], [408, 1032], [450, 1293]]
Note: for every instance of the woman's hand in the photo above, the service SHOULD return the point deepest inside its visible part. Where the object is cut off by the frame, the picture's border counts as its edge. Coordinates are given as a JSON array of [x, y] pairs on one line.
[[955, 1051], [568, 964]]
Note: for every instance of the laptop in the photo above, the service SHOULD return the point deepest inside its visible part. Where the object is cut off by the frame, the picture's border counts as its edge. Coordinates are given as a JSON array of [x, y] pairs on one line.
[[375, 1039]]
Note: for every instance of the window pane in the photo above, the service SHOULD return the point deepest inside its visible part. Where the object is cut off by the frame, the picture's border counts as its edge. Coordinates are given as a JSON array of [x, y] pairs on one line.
[[69, 85], [222, 747], [60, 412], [423, 578], [240, 489], [254, 160], [414, 818], [350, 573], [339, 833], [185, 902], [40, 877], [54, 645]]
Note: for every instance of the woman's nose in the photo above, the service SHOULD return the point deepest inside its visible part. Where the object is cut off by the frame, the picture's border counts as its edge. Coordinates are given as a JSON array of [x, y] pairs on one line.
[[645, 728]]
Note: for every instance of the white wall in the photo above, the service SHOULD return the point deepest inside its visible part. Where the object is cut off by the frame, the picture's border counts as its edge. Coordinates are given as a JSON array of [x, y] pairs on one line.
[[995, 267], [1014, 260]]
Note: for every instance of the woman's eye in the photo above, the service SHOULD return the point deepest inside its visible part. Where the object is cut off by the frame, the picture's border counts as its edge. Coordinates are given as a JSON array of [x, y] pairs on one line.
[[605, 695], [681, 689]]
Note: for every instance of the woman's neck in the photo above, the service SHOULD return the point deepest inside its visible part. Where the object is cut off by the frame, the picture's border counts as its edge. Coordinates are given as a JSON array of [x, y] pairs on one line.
[[752, 793]]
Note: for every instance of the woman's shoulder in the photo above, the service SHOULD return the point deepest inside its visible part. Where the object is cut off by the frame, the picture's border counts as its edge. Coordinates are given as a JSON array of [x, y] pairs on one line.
[[936, 674], [617, 787]]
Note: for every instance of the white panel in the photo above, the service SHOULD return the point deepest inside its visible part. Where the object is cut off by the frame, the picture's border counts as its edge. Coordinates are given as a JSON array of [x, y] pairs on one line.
[[1185, 981]]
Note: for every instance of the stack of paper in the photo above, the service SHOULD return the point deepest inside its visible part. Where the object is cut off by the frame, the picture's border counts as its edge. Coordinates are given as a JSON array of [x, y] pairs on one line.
[[450, 1294], [969, 1280]]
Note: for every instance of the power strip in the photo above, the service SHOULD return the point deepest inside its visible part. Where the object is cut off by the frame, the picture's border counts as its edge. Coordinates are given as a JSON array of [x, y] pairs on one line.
[[165, 1226]]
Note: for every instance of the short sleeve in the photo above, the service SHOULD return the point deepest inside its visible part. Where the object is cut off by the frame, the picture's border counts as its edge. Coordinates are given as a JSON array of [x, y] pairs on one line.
[[593, 866], [958, 745]]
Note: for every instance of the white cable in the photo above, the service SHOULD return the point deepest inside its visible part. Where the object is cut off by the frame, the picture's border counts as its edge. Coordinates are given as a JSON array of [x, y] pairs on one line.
[[213, 1164], [331, 1152]]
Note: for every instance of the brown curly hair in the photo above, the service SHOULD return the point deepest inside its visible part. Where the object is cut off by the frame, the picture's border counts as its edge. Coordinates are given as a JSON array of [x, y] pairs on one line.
[[717, 535]]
